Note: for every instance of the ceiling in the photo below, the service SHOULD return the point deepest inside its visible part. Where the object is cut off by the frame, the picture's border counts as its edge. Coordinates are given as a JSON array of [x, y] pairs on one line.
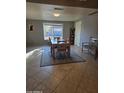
[[74, 3], [45, 12]]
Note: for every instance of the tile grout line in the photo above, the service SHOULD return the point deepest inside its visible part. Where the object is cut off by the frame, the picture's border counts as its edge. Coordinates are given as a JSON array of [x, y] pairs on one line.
[[31, 77], [42, 80], [78, 85], [58, 85], [45, 84], [62, 80]]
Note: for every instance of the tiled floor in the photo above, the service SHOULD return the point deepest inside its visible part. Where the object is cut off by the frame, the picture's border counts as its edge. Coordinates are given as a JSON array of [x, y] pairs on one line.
[[65, 78]]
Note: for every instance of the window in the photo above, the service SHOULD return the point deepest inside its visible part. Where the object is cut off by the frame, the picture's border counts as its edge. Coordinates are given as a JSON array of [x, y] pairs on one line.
[[52, 30]]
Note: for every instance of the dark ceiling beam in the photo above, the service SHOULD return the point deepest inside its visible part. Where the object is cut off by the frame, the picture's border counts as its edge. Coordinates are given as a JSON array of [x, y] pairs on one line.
[[73, 3]]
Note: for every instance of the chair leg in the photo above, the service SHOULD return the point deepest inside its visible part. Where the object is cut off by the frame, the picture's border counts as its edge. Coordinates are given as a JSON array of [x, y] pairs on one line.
[[88, 51], [66, 54], [82, 47]]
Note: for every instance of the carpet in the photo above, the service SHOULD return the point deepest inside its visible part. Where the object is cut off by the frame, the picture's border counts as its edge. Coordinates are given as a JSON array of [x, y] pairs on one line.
[[47, 59]]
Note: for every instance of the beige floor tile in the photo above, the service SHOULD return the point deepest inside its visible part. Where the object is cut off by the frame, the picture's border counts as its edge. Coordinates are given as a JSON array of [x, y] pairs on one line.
[[28, 91], [64, 67], [59, 73], [52, 82], [90, 85], [65, 87], [31, 72], [73, 78], [66, 78], [41, 75], [31, 84], [41, 87], [37, 92], [82, 90]]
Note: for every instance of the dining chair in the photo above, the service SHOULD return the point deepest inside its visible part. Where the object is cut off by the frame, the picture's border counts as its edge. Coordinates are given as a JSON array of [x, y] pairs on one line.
[[85, 46], [49, 43], [57, 38], [90, 46], [62, 48]]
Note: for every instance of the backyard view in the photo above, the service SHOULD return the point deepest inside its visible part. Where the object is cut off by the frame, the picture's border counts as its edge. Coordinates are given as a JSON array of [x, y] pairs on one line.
[[52, 31]]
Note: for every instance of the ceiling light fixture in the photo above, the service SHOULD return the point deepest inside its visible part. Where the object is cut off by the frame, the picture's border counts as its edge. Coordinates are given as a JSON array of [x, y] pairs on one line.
[[57, 8], [56, 14]]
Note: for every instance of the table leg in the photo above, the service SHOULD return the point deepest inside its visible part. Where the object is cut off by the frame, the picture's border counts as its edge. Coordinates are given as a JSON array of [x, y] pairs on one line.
[[53, 49], [69, 51]]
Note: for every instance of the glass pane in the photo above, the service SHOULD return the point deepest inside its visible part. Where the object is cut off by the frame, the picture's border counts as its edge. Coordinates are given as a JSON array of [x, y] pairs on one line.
[[47, 32], [52, 31], [57, 31]]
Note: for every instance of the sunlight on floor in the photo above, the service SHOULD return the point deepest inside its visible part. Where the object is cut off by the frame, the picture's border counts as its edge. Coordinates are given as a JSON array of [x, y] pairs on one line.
[[33, 53]]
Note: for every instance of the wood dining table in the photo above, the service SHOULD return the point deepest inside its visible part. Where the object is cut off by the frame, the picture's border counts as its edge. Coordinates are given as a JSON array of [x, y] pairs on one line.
[[55, 43]]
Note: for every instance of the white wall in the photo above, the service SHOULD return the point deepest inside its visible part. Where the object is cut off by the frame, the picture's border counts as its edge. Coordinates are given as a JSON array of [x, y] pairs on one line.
[[89, 28], [36, 37]]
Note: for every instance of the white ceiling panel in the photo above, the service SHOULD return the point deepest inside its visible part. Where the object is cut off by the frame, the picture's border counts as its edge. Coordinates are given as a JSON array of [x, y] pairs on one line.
[[45, 12]]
